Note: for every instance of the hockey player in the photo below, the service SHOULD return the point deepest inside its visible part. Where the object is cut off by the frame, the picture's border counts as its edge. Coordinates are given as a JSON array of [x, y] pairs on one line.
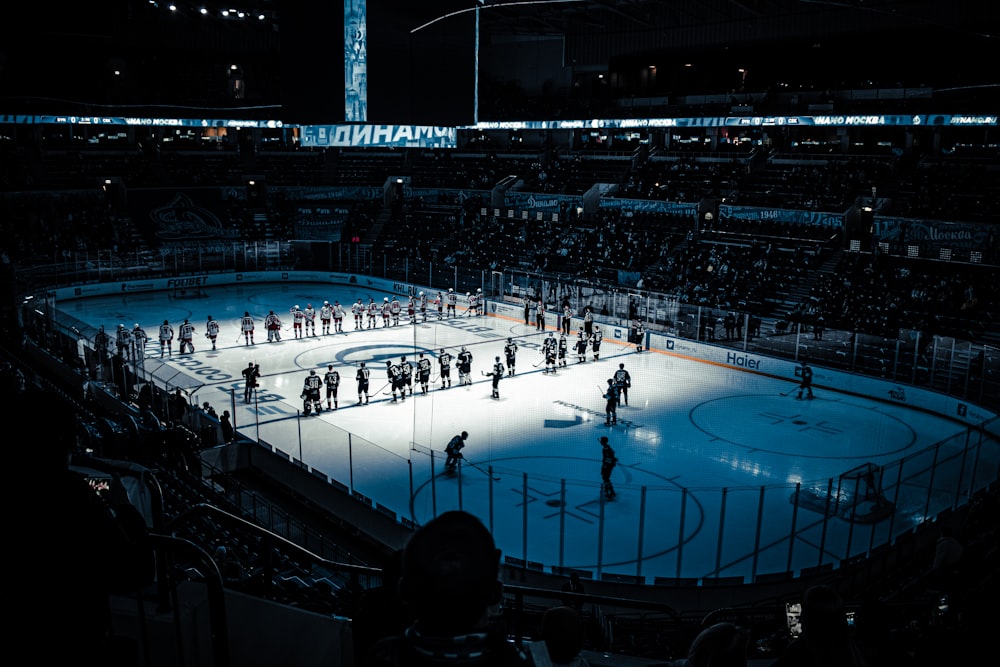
[[581, 347], [372, 313], [395, 375], [362, 376], [595, 342], [246, 327], [212, 330], [332, 381], [309, 314], [357, 310], [297, 318], [622, 382], [638, 335], [588, 320], [496, 374], [549, 349], [510, 352], [325, 315], [444, 363], [452, 300], [411, 309], [386, 312], [439, 302], [395, 308], [464, 364], [406, 371], [338, 317], [186, 337], [480, 302], [540, 316], [806, 376], [454, 451], [273, 325], [123, 341], [250, 375], [608, 462], [423, 307], [423, 372], [611, 407], [310, 393], [139, 339], [471, 310], [567, 318], [166, 338], [563, 349]]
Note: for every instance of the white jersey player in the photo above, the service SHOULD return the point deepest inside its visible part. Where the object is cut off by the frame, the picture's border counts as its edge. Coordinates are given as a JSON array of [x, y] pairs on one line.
[[166, 338], [310, 319], [325, 315], [298, 317], [212, 330], [338, 317], [186, 336], [358, 309], [246, 327]]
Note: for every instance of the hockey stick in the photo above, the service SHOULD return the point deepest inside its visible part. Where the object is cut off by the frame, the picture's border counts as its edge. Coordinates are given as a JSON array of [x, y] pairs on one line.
[[494, 478], [541, 361]]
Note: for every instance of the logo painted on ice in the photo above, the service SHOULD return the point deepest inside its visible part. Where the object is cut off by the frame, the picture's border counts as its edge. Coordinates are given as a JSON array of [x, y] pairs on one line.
[[374, 354]]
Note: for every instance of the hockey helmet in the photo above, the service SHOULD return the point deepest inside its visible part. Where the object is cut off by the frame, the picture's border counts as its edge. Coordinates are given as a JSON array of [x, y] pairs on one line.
[[604, 439], [479, 289], [386, 299], [463, 349], [312, 371], [498, 358], [121, 326], [421, 294], [450, 289], [388, 363], [510, 339], [327, 303], [136, 326], [296, 306], [468, 294]]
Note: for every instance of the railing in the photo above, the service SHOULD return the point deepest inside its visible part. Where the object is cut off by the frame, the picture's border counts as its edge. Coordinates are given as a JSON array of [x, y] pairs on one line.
[[969, 370]]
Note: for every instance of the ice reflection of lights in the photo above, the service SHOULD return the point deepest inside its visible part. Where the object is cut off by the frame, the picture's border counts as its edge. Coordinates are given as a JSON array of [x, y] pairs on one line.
[[748, 465]]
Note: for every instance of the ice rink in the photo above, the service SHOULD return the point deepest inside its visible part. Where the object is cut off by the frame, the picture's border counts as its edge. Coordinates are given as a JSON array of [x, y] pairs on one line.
[[709, 458]]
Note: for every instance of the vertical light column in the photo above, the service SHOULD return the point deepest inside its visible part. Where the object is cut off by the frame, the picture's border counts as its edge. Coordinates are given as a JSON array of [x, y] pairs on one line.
[[355, 61]]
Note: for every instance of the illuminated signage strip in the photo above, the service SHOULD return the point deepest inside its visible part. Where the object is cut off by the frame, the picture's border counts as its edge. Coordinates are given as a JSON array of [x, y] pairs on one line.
[[361, 136], [934, 120], [354, 134]]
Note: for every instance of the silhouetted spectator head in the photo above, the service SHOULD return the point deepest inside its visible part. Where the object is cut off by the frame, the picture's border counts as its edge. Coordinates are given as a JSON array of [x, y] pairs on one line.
[[450, 574], [563, 633], [823, 613], [719, 645]]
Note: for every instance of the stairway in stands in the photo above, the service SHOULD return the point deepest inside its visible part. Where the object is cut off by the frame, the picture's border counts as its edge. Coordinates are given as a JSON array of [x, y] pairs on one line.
[[801, 292], [371, 236]]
